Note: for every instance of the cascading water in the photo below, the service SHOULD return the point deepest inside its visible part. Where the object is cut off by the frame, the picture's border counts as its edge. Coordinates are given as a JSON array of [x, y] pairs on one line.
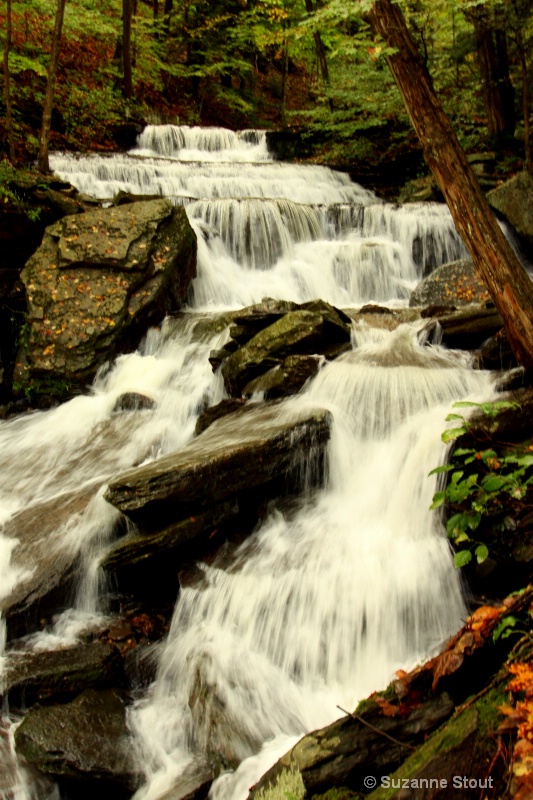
[[345, 586]]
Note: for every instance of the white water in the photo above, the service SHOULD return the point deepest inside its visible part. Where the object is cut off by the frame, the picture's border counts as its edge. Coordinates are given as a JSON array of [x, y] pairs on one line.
[[330, 595]]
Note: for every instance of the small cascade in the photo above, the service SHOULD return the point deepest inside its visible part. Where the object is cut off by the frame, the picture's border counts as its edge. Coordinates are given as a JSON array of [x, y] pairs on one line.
[[202, 144], [340, 592], [317, 233]]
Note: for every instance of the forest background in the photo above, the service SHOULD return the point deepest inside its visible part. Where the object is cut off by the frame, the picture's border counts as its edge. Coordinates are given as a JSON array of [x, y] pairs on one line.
[[304, 65]]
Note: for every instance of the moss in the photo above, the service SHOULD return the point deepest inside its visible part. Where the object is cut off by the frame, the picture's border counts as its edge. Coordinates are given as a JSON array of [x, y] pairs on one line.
[[338, 793], [289, 785], [481, 718]]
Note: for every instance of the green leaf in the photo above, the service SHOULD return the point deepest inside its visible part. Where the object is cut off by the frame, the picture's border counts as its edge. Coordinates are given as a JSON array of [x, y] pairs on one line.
[[474, 520], [452, 434], [457, 524], [442, 468], [462, 558], [438, 500], [482, 552], [463, 451], [494, 483], [503, 625]]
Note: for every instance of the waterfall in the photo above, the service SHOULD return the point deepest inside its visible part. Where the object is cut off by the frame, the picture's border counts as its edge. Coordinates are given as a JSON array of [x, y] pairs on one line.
[[333, 591]]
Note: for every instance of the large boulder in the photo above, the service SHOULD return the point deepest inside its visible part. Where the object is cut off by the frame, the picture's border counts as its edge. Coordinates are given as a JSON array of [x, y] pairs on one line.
[[96, 283], [239, 452], [454, 284], [514, 199], [86, 740]]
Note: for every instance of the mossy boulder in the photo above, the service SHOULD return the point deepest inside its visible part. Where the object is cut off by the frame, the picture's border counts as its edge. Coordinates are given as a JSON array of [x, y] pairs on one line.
[[96, 283], [514, 199], [313, 328]]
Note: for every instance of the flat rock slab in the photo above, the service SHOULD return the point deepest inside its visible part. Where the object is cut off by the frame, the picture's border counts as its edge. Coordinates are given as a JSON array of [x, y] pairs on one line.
[[240, 451], [84, 739], [33, 676]]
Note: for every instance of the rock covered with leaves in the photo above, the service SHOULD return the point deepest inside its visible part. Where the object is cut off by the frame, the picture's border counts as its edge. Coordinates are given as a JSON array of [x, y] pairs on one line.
[[454, 284], [96, 283]]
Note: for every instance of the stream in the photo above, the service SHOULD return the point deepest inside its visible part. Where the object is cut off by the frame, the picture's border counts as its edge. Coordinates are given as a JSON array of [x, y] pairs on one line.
[[333, 592]]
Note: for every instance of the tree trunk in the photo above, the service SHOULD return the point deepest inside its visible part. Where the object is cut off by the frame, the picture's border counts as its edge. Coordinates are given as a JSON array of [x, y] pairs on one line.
[[525, 100], [7, 89], [42, 160], [498, 91], [508, 283], [319, 46], [127, 79]]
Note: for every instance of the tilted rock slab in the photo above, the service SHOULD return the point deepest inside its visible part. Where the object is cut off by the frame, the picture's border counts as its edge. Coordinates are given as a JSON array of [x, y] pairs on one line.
[[97, 282], [241, 451]]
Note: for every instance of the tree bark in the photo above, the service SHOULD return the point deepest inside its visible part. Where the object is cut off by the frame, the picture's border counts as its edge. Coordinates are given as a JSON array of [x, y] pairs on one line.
[[498, 91], [42, 160], [508, 283], [7, 90], [127, 78]]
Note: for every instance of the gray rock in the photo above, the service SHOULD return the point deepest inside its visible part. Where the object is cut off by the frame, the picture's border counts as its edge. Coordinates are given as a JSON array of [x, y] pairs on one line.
[[312, 329], [241, 451], [96, 283], [211, 414], [285, 379], [514, 199], [84, 739], [140, 547], [454, 284], [33, 676], [468, 328], [133, 401]]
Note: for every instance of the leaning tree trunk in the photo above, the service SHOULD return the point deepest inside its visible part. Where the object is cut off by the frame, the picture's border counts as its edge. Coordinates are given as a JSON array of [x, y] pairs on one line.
[[10, 136], [42, 160], [509, 285]]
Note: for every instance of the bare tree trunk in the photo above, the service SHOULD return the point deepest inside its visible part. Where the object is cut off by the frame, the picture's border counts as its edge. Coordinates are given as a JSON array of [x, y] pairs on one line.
[[42, 160], [127, 78], [319, 46], [7, 90], [284, 81], [498, 91], [525, 100], [509, 285]]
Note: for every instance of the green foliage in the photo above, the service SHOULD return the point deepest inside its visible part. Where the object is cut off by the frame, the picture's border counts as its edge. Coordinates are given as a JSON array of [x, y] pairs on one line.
[[288, 785], [481, 483], [10, 197]]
